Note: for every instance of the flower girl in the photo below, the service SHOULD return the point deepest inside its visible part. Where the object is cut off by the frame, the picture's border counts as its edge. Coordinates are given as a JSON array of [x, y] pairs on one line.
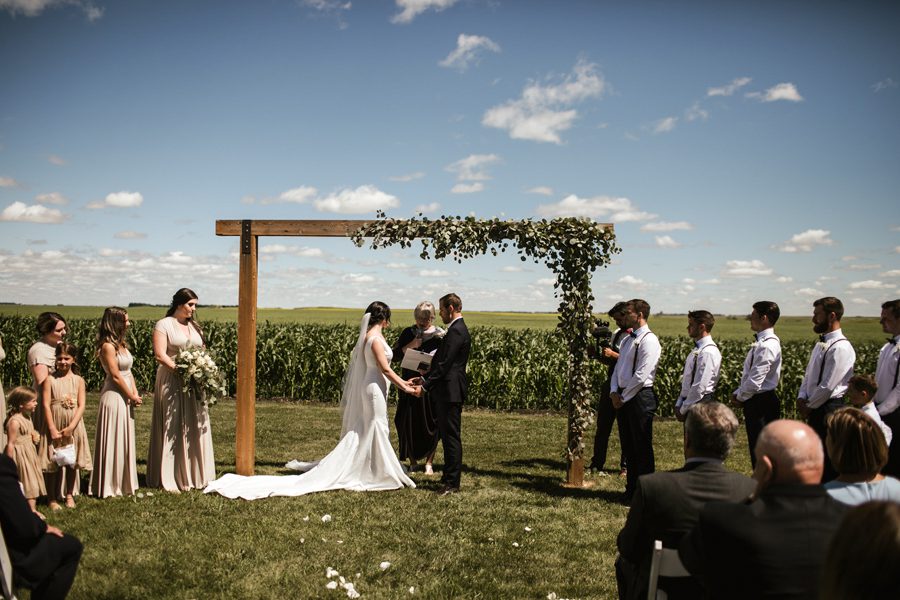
[[64, 441], [21, 439]]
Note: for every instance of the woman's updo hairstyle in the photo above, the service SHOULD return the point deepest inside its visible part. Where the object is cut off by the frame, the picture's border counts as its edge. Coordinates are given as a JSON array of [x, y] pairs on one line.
[[182, 296], [380, 313]]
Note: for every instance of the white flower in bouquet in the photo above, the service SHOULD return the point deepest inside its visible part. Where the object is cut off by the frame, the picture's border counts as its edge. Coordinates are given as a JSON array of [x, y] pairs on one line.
[[200, 374]]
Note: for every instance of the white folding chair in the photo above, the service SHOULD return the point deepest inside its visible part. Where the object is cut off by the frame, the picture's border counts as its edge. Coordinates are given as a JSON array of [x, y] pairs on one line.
[[664, 563], [7, 582]]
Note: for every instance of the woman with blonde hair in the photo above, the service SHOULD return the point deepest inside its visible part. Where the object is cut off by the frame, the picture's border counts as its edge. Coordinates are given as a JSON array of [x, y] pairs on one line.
[[417, 431], [858, 451]]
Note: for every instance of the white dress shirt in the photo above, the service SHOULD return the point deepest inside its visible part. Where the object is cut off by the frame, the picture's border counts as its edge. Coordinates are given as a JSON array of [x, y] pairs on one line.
[[887, 399], [870, 409], [762, 366], [636, 367], [829, 369], [701, 373]]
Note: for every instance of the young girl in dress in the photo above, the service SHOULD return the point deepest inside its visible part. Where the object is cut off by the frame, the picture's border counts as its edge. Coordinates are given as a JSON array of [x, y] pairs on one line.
[[21, 441], [62, 400]]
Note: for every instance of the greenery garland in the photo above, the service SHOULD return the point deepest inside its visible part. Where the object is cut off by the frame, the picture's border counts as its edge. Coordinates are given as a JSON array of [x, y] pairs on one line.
[[573, 248]]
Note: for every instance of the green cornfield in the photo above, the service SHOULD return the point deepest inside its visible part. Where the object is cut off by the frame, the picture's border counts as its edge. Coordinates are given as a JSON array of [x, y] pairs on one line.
[[509, 369]]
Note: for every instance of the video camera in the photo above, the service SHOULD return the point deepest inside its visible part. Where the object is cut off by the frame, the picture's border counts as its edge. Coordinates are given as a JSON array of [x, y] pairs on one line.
[[602, 335]]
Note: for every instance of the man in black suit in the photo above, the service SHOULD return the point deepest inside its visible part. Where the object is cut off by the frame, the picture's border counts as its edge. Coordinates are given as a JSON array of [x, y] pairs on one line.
[[666, 505], [44, 559], [774, 545], [446, 385]]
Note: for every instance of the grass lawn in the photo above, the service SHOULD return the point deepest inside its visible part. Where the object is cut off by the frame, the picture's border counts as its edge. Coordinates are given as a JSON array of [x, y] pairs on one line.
[[470, 545], [858, 329]]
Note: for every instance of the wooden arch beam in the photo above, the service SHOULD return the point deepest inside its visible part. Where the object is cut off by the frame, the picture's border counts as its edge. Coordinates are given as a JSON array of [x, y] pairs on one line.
[[249, 232]]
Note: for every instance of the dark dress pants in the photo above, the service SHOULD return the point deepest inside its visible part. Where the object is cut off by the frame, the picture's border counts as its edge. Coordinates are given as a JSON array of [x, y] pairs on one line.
[[759, 410], [606, 416], [49, 569], [817, 419], [636, 418], [449, 419], [892, 467]]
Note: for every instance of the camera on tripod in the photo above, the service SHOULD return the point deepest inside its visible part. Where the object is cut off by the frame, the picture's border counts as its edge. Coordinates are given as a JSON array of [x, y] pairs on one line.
[[602, 336]]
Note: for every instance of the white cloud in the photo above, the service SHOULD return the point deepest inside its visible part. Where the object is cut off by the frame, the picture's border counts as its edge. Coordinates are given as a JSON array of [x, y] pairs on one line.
[[358, 278], [665, 125], [468, 50], [863, 267], [330, 8], [431, 207], [784, 279], [130, 235], [859, 301], [56, 160], [662, 226], [782, 91], [891, 273], [731, 88], [713, 281], [632, 282], [467, 188], [364, 199], [51, 198], [811, 292], [806, 241], [33, 8], [870, 284], [36, 213], [896, 249], [413, 8], [696, 113], [666, 241], [546, 281], [544, 111], [472, 167], [297, 195], [118, 200], [433, 273], [8, 182], [543, 190], [619, 210], [884, 84], [746, 268], [302, 251], [408, 177], [511, 269]]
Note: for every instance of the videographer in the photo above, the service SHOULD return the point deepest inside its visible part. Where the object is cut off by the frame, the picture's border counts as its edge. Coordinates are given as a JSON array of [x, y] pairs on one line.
[[607, 352]]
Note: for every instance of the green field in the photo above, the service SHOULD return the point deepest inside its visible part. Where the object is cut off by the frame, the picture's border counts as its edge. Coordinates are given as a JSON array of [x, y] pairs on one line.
[[858, 329]]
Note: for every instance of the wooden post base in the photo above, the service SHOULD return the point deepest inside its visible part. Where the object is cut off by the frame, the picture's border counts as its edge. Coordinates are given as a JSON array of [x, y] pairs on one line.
[[575, 476]]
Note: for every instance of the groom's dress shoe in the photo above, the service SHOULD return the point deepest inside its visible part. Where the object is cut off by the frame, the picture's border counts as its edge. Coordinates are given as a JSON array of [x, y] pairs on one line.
[[447, 490]]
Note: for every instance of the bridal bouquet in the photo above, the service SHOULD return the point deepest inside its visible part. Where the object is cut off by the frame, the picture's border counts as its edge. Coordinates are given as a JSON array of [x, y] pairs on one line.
[[200, 374]]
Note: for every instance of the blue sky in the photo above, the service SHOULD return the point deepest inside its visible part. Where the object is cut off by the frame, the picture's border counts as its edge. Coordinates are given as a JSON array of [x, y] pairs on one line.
[[744, 150]]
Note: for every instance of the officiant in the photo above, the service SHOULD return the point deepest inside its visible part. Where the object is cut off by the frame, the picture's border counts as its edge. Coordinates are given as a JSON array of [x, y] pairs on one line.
[[417, 429]]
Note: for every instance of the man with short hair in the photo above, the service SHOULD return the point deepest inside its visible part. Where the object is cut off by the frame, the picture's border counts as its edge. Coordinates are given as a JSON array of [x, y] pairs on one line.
[[666, 504], [701, 367], [633, 395], [829, 369], [760, 374], [606, 414], [774, 545], [887, 398]]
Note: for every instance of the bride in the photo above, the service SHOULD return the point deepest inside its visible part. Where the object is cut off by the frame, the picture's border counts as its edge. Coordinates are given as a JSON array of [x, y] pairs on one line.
[[364, 459]]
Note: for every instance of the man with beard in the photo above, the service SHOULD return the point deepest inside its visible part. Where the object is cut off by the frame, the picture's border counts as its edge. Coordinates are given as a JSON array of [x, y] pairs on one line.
[[829, 369]]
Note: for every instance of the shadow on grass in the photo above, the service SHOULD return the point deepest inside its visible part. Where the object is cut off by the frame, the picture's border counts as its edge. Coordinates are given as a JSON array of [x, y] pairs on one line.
[[550, 485]]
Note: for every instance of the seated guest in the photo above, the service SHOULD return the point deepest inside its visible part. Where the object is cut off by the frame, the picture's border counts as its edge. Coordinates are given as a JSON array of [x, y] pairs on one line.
[[864, 565], [772, 546], [44, 559], [666, 504], [857, 450]]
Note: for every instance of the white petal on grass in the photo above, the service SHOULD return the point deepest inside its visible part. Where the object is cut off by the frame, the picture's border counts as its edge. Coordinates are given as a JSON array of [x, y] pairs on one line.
[[326, 518], [384, 566]]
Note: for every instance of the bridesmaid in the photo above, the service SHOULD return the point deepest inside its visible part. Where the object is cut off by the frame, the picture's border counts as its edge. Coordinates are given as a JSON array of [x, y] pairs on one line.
[[42, 354], [181, 449], [115, 459]]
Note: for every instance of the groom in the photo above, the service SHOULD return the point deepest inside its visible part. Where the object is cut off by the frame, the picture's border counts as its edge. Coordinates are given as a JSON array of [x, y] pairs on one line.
[[446, 383]]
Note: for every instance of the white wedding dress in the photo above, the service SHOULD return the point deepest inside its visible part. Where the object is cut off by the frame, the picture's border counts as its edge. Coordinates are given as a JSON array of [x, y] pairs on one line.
[[363, 460]]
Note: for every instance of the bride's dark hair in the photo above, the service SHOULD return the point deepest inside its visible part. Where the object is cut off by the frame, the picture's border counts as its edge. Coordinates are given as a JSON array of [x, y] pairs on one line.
[[379, 311]]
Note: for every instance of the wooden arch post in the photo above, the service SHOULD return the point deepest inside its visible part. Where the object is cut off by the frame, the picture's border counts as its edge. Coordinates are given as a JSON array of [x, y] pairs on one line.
[[249, 232]]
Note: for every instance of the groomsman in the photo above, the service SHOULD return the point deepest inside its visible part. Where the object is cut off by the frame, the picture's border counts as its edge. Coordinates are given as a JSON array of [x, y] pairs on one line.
[[701, 367], [759, 377], [633, 395], [887, 398], [829, 369]]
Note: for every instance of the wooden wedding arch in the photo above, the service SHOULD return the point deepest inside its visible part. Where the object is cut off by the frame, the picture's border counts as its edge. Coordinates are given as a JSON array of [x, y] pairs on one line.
[[573, 248]]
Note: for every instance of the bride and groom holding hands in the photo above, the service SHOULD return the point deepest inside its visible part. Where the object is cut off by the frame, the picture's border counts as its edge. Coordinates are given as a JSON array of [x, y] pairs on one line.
[[364, 459]]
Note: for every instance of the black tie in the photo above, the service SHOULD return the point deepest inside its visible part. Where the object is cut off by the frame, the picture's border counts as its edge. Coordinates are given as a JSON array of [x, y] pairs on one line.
[[822, 338]]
